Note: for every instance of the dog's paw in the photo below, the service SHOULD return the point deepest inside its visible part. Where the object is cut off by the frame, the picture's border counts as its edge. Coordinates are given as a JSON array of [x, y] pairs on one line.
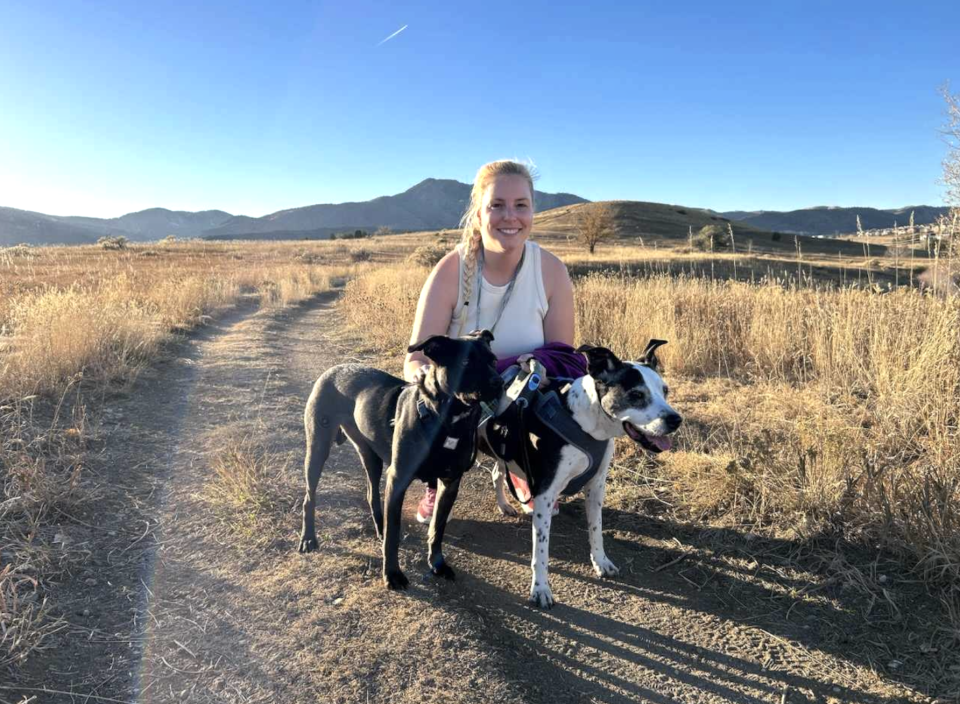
[[603, 567], [506, 509], [541, 596], [443, 570], [308, 544], [395, 580]]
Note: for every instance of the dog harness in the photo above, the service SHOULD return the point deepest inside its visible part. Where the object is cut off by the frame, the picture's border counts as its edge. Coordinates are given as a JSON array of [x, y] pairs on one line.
[[448, 437], [532, 411], [554, 415]]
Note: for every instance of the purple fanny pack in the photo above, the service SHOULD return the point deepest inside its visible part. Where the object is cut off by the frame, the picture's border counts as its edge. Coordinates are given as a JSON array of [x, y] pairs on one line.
[[559, 359]]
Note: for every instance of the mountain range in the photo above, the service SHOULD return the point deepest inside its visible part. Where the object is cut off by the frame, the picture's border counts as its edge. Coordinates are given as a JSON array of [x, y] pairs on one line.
[[832, 220], [24, 226], [430, 204]]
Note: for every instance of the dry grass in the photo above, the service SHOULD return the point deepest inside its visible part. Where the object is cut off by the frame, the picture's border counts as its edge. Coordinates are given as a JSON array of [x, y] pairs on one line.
[[104, 313], [40, 469], [828, 409], [248, 493], [808, 409], [75, 318], [381, 305]]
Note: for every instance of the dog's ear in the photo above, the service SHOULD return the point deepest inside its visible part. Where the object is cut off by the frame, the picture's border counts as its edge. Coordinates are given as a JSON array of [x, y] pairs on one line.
[[600, 360], [649, 356], [435, 347], [484, 335]]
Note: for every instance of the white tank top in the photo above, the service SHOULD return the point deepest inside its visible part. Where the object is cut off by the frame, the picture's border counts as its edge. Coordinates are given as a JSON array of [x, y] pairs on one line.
[[520, 329]]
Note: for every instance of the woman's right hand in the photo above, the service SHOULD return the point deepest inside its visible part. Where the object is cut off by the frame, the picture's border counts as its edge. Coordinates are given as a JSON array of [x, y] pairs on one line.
[[421, 373]]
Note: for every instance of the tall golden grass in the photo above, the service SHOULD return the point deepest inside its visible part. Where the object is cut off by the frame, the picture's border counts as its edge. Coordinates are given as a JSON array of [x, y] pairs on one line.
[[74, 319], [103, 314], [819, 409]]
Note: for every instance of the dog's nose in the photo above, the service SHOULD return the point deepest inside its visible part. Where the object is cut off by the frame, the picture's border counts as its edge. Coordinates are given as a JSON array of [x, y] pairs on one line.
[[672, 421]]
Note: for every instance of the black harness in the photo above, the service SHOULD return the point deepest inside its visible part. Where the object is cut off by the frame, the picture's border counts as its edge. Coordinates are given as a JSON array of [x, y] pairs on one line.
[[447, 436], [543, 415]]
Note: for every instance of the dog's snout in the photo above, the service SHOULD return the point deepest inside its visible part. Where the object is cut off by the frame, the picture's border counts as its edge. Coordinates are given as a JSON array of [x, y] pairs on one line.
[[672, 421], [494, 388]]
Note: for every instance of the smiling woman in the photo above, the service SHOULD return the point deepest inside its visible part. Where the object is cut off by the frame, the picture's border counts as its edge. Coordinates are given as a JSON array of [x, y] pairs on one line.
[[497, 279]]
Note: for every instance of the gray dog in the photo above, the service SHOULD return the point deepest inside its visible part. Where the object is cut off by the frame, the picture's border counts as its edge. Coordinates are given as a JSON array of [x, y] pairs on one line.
[[424, 431]]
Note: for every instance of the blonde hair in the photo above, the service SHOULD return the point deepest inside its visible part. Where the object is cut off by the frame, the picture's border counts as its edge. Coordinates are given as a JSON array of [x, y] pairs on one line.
[[471, 228]]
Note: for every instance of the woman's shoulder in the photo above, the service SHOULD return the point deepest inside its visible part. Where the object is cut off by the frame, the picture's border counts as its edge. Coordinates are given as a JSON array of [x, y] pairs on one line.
[[447, 270], [550, 264]]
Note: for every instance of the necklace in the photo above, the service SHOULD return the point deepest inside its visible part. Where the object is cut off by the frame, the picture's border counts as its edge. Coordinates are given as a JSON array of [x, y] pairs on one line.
[[506, 296]]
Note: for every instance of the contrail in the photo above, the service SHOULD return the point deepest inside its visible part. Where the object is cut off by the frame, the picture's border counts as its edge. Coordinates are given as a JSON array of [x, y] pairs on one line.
[[393, 35]]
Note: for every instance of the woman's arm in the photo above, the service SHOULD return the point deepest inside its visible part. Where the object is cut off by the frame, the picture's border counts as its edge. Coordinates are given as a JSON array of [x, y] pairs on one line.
[[558, 324], [438, 299]]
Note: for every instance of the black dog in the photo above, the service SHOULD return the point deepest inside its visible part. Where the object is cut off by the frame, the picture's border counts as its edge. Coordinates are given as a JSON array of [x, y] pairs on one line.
[[427, 431]]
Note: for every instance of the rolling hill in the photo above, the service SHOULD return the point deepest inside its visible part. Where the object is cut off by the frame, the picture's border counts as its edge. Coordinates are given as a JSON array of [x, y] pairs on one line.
[[831, 220], [25, 226], [663, 225], [156, 223]]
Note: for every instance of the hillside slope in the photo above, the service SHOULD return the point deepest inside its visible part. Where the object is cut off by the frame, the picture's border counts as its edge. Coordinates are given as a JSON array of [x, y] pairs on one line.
[[666, 225], [830, 220], [27, 227]]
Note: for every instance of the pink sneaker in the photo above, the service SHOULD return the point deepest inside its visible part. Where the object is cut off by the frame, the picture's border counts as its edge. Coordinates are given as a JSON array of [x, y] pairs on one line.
[[425, 509], [523, 490]]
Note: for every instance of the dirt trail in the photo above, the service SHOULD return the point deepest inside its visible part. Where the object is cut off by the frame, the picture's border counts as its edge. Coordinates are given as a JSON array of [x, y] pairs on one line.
[[173, 605]]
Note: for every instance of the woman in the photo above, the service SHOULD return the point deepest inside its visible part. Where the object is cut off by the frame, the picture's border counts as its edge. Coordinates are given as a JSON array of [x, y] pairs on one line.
[[497, 279]]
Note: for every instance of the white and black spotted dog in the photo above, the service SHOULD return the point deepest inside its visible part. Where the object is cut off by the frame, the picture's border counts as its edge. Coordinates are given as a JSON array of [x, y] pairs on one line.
[[615, 398]]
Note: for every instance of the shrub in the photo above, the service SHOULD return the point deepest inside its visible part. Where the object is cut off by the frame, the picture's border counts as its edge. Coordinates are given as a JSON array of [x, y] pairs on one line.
[[710, 238], [427, 255], [361, 255], [118, 242], [355, 235]]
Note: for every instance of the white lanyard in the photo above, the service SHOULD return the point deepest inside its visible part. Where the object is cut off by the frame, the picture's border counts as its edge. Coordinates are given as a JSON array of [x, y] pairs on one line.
[[506, 296]]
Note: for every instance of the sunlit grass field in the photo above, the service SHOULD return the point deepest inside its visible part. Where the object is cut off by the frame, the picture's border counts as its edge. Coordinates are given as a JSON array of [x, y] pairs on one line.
[[820, 398]]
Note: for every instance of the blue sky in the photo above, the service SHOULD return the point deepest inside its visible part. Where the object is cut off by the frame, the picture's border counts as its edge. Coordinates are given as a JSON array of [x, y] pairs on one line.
[[111, 107]]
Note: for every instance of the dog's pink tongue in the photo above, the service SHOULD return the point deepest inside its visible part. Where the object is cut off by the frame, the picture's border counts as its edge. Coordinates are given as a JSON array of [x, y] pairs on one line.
[[662, 443]]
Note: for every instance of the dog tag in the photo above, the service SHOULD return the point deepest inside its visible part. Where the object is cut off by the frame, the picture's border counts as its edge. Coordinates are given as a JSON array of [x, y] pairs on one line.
[[451, 443]]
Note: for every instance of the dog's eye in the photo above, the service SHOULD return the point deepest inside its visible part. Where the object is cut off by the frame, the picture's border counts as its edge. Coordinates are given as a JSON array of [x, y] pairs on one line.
[[666, 391]]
